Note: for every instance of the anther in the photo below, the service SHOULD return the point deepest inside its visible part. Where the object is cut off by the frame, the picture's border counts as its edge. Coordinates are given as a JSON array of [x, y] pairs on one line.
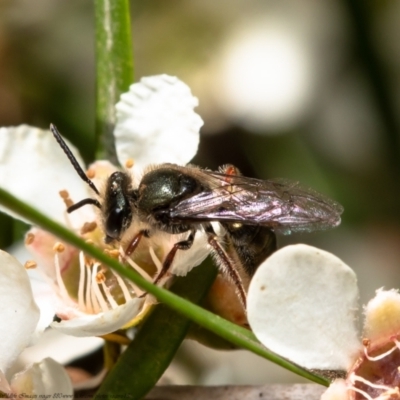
[[100, 277], [112, 253], [64, 194], [90, 173], [59, 247], [366, 342], [29, 238], [30, 264], [88, 227], [129, 163]]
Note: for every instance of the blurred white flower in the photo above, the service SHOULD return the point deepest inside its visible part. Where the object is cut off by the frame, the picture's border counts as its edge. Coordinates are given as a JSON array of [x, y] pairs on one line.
[[266, 80], [302, 304], [155, 124]]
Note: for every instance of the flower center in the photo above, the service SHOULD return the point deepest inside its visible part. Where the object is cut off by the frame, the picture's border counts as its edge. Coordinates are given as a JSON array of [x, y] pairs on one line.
[[98, 288], [377, 374]]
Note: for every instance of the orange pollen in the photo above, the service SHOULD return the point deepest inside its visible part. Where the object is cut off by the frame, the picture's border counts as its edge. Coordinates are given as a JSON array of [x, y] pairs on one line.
[[59, 247], [88, 261], [88, 227], [129, 163], [366, 342], [30, 264], [29, 238], [89, 241], [112, 253], [64, 194], [90, 173], [100, 277]]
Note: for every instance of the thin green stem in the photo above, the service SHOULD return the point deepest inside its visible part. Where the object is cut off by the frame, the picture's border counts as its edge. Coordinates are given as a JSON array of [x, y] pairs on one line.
[[239, 336], [114, 69]]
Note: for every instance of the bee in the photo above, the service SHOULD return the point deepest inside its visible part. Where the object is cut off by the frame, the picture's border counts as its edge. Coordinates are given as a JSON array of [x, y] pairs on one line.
[[176, 200]]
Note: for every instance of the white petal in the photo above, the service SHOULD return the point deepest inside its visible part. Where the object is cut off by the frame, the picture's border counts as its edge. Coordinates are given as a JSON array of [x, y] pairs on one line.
[[44, 378], [42, 292], [102, 323], [338, 390], [34, 169], [62, 348], [156, 122], [302, 304], [4, 385], [46, 300], [19, 313]]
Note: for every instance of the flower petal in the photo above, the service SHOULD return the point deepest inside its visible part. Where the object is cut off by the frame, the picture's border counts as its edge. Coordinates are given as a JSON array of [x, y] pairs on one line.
[[302, 303], [42, 292], [34, 168], [4, 385], [44, 378], [382, 317], [156, 122], [338, 390], [19, 313], [102, 323], [62, 348]]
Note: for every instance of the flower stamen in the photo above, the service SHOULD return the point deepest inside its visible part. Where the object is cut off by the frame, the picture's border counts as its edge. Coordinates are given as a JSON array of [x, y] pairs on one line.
[[124, 288], [155, 259], [381, 356], [366, 395], [30, 237], [96, 290], [129, 163], [58, 247], [91, 173], [88, 302], [30, 264], [397, 343], [136, 267], [59, 279], [353, 378], [93, 292], [109, 296], [88, 227], [65, 196], [82, 274]]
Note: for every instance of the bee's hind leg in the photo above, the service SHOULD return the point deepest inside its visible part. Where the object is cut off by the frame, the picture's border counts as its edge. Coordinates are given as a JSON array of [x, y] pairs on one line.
[[225, 263]]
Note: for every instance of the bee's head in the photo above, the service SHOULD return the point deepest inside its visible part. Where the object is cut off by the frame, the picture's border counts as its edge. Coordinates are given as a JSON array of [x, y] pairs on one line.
[[116, 206], [119, 198]]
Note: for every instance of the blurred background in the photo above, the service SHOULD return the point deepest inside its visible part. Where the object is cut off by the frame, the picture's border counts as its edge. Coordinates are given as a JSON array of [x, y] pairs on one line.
[[304, 90]]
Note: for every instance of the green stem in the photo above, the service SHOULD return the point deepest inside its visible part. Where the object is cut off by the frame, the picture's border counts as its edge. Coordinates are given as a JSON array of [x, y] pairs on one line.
[[238, 336], [114, 69]]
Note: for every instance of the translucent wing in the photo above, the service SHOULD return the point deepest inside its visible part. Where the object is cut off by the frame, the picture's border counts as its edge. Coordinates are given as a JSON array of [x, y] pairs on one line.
[[281, 205]]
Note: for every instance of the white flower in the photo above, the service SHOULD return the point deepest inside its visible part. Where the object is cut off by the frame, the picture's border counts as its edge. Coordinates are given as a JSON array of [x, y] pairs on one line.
[[20, 315], [155, 124], [302, 304]]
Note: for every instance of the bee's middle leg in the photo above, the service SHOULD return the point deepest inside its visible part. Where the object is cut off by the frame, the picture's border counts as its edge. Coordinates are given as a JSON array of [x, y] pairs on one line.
[[182, 245]]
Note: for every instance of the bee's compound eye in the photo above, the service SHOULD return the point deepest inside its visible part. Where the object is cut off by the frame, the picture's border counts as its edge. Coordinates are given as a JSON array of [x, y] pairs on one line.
[[116, 223]]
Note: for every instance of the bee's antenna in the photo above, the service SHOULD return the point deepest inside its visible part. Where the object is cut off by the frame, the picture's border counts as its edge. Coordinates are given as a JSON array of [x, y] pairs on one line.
[[81, 203], [71, 157]]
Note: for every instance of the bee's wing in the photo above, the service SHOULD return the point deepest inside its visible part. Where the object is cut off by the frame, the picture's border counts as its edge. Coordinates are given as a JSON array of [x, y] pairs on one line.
[[281, 205]]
